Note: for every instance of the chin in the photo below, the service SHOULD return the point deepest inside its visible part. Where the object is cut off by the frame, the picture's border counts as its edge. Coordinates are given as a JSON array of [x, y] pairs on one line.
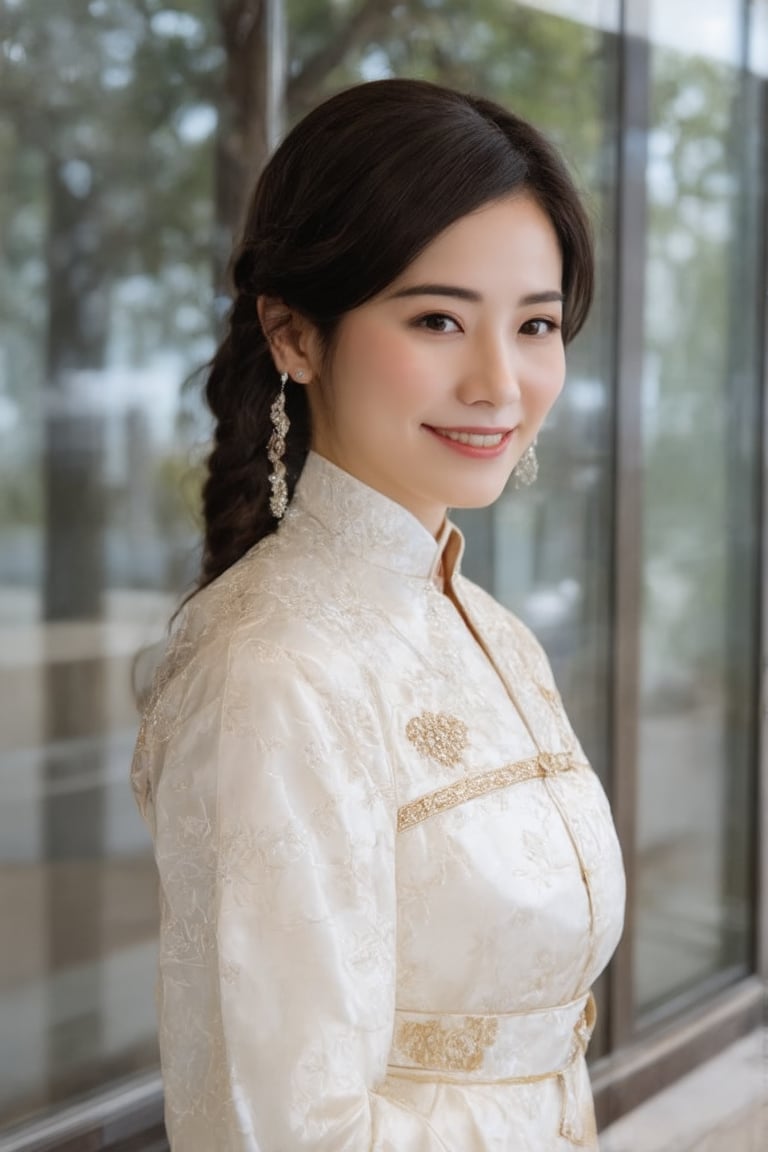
[[481, 497]]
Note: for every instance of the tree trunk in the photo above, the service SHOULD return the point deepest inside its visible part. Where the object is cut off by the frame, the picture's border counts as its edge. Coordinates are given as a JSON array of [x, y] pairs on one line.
[[249, 115], [74, 416], [75, 576]]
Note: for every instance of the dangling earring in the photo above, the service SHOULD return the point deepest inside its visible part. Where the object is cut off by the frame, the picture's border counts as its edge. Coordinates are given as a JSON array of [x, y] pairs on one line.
[[278, 501], [527, 468]]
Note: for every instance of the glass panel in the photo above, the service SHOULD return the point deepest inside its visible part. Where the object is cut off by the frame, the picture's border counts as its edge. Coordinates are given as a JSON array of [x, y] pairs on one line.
[[105, 219], [758, 38], [700, 543], [603, 14], [546, 553]]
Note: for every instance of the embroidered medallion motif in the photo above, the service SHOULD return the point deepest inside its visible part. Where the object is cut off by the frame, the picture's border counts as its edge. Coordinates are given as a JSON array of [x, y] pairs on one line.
[[431, 1045], [438, 737]]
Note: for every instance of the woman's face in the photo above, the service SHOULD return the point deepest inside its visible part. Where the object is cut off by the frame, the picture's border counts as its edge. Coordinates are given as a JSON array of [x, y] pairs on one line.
[[437, 386]]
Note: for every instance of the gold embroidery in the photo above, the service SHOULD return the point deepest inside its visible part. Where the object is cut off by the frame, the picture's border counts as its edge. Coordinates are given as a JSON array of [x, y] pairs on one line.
[[577, 1122], [470, 787], [460, 1049], [437, 1046], [550, 695], [438, 737]]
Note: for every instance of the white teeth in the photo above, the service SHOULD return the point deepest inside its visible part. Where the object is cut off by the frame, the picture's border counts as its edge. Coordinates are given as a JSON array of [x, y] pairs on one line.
[[475, 441]]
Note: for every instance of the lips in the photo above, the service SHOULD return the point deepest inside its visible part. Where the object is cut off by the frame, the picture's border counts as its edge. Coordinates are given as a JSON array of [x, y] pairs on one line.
[[473, 443], [474, 439]]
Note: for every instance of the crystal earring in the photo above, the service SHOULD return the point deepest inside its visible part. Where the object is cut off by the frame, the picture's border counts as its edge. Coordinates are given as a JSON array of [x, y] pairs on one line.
[[278, 501], [527, 468]]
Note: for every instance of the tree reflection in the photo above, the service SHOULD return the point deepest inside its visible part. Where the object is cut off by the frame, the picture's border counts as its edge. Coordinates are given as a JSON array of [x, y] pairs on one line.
[[130, 133]]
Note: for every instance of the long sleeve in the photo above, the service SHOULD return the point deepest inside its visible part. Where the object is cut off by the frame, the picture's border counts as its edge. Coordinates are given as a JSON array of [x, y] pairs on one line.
[[271, 803]]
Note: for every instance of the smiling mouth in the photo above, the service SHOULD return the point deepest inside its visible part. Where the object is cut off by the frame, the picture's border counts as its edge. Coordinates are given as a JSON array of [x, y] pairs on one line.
[[473, 439]]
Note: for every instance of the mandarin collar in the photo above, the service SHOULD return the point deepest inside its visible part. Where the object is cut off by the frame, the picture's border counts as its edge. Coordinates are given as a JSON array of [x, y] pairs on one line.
[[371, 525]]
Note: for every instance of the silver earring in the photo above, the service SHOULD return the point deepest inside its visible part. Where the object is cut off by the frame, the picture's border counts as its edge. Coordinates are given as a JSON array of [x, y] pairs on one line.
[[527, 468], [278, 501], [300, 374]]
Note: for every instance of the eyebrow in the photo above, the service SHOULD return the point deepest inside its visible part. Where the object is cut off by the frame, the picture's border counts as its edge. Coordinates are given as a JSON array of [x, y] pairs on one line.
[[457, 293]]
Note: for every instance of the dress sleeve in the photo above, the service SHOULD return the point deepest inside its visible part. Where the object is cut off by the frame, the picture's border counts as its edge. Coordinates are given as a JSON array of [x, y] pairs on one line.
[[274, 822]]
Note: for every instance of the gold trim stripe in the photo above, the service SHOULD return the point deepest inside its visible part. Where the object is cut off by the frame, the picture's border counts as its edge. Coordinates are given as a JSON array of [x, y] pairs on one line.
[[470, 787]]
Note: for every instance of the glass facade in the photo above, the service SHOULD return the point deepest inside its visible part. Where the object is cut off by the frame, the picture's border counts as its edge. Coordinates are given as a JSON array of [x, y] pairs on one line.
[[106, 196], [700, 541], [547, 552], [128, 133]]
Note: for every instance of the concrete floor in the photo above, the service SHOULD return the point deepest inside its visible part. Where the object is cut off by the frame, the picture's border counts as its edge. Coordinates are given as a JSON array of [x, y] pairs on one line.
[[721, 1106]]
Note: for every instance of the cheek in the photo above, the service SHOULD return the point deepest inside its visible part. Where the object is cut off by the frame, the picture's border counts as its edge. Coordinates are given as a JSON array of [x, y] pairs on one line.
[[377, 365], [546, 384]]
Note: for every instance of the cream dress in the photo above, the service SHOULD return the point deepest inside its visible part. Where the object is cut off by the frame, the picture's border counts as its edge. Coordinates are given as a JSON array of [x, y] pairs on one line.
[[388, 876]]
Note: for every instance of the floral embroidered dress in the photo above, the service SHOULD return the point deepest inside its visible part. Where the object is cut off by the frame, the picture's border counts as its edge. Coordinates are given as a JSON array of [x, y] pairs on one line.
[[388, 876]]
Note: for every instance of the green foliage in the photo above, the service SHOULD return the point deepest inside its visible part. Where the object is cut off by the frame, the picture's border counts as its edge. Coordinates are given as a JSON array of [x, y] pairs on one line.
[[104, 94], [547, 69], [699, 274], [104, 101], [21, 497], [108, 99], [178, 484], [111, 106]]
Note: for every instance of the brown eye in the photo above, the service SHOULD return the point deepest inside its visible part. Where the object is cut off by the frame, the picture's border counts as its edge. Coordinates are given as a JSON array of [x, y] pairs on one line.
[[540, 326], [438, 322]]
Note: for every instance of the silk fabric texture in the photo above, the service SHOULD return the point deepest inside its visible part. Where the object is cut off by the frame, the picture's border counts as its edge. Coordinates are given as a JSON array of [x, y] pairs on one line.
[[388, 876]]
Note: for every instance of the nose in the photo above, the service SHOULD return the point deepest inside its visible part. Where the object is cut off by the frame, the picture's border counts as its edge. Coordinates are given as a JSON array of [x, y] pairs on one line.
[[493, 374]]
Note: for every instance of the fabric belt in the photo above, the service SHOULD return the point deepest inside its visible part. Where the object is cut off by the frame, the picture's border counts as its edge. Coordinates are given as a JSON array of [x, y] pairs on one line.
[[514, 1048]]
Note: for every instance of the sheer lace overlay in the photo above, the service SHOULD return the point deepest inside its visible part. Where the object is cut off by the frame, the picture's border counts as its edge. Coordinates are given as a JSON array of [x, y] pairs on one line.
[[370, 813]]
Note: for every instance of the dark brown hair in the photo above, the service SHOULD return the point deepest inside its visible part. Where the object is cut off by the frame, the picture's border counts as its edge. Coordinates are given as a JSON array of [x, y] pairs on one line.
[[353, 194]]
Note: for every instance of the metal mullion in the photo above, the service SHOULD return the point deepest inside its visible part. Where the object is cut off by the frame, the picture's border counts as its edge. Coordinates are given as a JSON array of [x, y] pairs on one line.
[[657, 1059], [761, 886], [113, 1117], [628, 457], [276, 71]]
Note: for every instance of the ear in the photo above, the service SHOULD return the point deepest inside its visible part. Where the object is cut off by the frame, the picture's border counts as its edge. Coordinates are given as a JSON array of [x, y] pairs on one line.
[[293, 340]]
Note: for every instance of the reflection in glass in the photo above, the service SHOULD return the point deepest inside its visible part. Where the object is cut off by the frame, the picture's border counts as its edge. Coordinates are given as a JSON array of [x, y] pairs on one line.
[[700, 523], [758, 38], [110, 259], [544, 552], [105, 286]]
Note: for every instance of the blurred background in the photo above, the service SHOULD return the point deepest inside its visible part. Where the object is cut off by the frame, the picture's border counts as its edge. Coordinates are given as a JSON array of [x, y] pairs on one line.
[[130, 132]]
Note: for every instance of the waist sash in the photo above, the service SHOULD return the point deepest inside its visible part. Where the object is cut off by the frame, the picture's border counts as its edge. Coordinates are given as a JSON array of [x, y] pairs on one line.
[[513, 1048]]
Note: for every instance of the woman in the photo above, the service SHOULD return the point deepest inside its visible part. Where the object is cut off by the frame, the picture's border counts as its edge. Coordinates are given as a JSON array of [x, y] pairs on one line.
[[388, 875]]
